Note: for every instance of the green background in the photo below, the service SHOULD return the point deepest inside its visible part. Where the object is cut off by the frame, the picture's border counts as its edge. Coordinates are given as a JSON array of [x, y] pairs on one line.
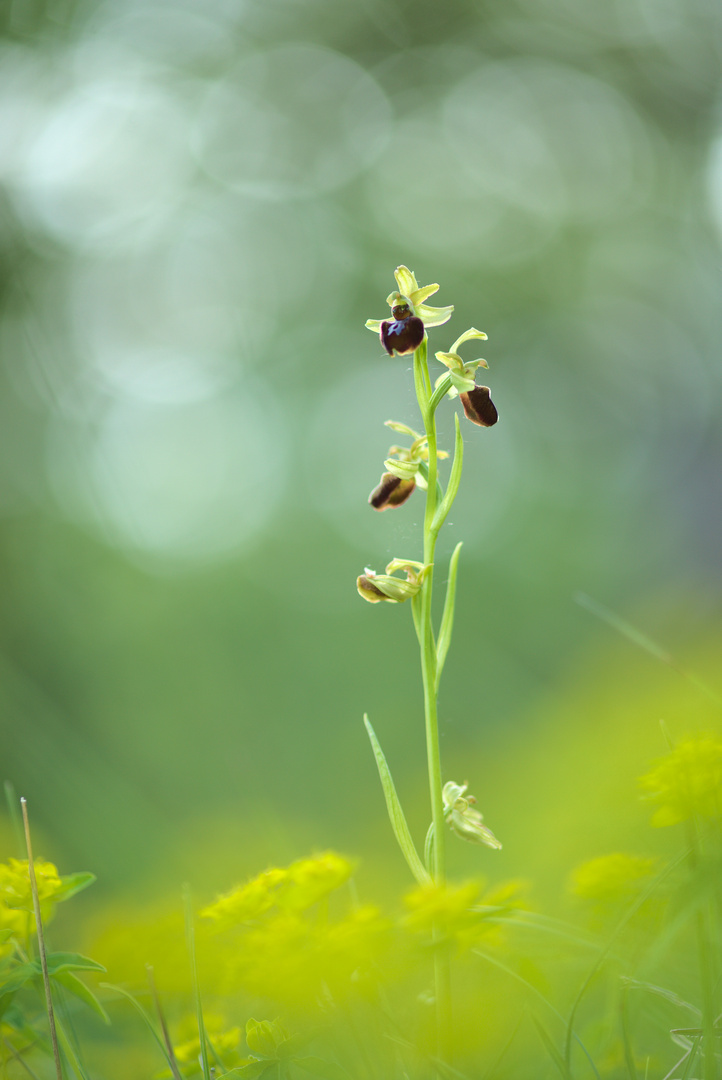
[[201, 205]]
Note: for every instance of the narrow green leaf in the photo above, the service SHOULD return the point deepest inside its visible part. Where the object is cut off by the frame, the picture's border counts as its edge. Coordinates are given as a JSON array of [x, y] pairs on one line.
[[396, 814], [80, 990], [454, 480], [20, 976], [325, 1070], [70, 1052], [72, 884], [551, 1048], [416, 614], [440, 392], [429, 847], [690, 1060], [70, 961], [57, 962], [447, 618]]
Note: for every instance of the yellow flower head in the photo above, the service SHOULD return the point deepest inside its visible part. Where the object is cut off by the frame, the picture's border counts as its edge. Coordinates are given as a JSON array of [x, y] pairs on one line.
[[611, 878], [687, 782], [296, 887], [16, 898], [246, 902], [224, 1039], [289, 957], [15, 891], [446, 908], [310, 880]]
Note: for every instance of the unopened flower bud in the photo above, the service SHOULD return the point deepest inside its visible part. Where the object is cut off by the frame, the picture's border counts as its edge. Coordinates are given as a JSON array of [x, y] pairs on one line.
[[466, 822], [401, 335], [478, 406], [377, 587], [392, 491], [367, 589]]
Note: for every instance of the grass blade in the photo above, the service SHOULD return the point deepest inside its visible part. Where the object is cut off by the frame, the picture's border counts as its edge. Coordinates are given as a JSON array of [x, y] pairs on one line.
[[69, 1051], [429, 847], [660, 991], [551, 1048], [447, 618], [646, 643], [530, 986], [396, 814], [627, 1037], [690, 1060], [41, 942], [191, 940]]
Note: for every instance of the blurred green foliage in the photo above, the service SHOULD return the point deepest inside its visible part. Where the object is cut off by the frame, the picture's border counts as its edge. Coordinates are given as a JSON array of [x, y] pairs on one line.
[[199, 208]]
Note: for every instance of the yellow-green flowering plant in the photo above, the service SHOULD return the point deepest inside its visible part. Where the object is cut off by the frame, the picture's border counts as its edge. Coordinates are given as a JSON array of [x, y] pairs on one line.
[[406, 333], [30, 891]]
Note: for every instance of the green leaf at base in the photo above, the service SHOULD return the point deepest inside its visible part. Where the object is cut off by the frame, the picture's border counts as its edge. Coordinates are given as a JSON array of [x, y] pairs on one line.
[[396, 813]]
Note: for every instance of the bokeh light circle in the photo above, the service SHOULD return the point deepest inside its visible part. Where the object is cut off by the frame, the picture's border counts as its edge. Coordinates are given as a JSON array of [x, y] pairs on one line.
[[293, 121], [174, 482]]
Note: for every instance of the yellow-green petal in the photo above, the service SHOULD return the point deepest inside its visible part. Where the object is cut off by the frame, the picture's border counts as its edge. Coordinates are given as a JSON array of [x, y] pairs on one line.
[[405, 470], [452, 360], [403, 429], [405, 280], [467, 336], [420, 295], [373, 324], [434, 316]]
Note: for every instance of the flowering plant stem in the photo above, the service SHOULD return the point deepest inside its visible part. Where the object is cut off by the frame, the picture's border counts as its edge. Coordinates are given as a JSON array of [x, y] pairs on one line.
[[422, 610], [406, 469]]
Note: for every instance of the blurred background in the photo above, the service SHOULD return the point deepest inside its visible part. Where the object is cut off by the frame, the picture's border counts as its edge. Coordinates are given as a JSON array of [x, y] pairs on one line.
[[200, 206]]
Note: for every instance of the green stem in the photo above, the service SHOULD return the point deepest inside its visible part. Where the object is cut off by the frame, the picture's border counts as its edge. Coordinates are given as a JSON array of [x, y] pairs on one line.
[[442, 972]]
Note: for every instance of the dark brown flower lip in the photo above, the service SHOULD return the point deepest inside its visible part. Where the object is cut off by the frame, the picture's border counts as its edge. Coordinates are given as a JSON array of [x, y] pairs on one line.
[[392, 491], [478, 406], [401, 336], [365, 585]]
